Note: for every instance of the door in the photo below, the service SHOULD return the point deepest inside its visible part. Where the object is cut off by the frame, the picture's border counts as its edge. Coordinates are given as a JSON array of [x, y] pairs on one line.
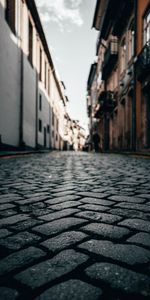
[[44, 137]]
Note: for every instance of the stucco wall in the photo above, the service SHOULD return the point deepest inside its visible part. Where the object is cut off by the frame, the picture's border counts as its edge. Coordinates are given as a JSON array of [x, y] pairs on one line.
[[9, 84], [29, 104]]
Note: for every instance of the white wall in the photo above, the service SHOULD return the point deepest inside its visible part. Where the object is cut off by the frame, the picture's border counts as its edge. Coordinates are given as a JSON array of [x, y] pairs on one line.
[[29, 104], [9, 84], [29, 84]]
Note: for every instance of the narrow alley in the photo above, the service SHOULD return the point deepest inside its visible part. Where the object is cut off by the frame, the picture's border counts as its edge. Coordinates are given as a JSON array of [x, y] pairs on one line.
[[75, 225]]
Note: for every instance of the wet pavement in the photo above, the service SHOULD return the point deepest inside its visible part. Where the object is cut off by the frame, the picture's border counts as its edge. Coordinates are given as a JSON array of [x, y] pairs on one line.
[[74, 226]]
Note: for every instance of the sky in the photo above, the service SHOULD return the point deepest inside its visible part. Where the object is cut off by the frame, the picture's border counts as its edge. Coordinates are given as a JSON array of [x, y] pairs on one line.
[[67, 25]]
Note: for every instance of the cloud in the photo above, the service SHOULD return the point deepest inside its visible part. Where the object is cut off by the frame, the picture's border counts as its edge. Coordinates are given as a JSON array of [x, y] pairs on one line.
[[72, 4], [61, 12]]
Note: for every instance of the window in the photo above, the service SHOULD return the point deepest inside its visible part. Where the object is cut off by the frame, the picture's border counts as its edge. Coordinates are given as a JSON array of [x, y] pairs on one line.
[[40, 102], [53, 133], [40, 71], [52, 118], [40, 125], [30, 42], [10, 15], [131, 41], [123, 55], [57, 125], [48, 129], [146, 28], [49, 82], [45, 74]]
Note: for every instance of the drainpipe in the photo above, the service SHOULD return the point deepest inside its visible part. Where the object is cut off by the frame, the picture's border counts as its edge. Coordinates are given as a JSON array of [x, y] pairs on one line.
[[21, 143], [134, 80], [36, 112], [106, 125]]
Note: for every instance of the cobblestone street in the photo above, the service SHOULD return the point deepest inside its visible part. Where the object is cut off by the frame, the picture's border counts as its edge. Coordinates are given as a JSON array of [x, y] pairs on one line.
[[75, 226]]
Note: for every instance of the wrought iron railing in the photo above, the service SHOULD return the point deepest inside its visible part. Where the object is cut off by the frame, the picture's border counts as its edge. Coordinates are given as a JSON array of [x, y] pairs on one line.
[[110, 57], [143, 62]]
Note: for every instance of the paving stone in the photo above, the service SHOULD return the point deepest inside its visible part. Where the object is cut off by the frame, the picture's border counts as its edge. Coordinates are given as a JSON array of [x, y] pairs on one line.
[[97, 201], [62, 199], [25, 224], [32, 200], [101, 217], [7, 213], [106, 230], [38, 195], [72, 289], [8, 294], [55, 226], [13, 219], [145, 196], [44, 272], [20, 259], [100, 190], [39, 212], [120, 278], [4, 233], [136, 224], [64, 188], [9, 198], [141, 207], [142, 191], [130, 213], [32, 207], [91, 179], [94, 207], [94, 195], [64, 240], [63, 193], [64, 205], [6, 206], [19, 240], [140, 238], [121, 198], [57, 215], [129, 254]]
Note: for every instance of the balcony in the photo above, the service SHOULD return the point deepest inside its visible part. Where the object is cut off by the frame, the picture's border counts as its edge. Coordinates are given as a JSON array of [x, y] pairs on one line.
[[107, 103], [110, 58], [143, 63]]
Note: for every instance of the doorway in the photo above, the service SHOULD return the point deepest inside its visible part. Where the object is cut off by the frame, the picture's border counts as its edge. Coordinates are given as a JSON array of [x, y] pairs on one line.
[[44, 137]]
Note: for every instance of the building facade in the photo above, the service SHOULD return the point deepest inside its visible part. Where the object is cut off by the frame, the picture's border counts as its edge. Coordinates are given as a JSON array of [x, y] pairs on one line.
[[119, 105], [32, 99], [75, 135], [143, 74]]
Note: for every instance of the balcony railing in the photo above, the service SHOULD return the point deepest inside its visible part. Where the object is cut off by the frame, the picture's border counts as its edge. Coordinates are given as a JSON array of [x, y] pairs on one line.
[[107, 103], [110, 58], [143, 63]]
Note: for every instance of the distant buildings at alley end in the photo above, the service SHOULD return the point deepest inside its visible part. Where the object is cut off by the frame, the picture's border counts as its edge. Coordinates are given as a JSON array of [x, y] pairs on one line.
[[33, 101], [118, 87]]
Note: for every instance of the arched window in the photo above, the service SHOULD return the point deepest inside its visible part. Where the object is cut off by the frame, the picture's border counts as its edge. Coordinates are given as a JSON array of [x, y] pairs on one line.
[[123, 55], [146, 27], [131, 40]]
